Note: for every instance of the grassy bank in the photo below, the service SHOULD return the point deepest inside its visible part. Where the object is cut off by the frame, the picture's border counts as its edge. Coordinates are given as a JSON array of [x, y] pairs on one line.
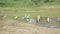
[[53, 13]]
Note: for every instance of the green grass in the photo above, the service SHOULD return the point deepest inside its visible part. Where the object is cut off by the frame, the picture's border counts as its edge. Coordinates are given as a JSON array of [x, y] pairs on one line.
[[53, 13], [44, 12]]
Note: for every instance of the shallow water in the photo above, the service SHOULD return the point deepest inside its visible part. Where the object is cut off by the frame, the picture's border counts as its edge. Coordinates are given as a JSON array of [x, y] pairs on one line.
[[49, 25], [32, 21]]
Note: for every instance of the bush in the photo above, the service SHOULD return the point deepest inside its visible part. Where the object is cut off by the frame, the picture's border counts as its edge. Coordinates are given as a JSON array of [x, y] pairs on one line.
[[2, 4], [36, 2], [50, 1], [26, 3]]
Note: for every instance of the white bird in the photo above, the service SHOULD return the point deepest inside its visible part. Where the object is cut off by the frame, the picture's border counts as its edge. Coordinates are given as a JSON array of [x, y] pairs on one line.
[[58, 19], [16, 17], [28, 16], [4, 16], [28, 20], [48, 19], [38, 18], [24, 17]]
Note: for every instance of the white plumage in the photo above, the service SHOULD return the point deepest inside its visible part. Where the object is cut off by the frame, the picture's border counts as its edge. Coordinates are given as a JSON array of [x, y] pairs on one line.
[[58, 19], [38, 18], [4, 16], [48, 19], [16, 17], [24, 17], [28, 16]]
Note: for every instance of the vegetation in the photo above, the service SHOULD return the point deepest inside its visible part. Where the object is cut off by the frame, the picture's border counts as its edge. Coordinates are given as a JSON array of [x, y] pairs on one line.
[[23, 4], [27, 3], [53, 13], [9, 9]]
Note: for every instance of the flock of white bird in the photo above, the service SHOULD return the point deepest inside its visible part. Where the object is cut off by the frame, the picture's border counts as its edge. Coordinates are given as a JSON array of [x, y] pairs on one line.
[[38, 18]]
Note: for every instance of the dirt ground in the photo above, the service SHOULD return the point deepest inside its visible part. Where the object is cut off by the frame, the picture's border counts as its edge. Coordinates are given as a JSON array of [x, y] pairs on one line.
[[25, 28]]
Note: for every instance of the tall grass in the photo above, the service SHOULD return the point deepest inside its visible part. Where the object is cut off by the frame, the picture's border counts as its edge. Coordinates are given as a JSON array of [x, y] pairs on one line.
[[26, 3]]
